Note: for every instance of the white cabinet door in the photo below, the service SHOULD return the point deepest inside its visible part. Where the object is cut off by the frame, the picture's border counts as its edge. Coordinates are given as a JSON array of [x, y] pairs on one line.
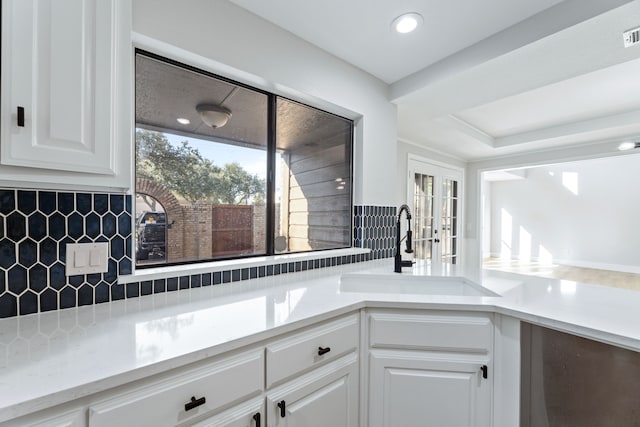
[[66, 101], [428, 389], [248, 414], [327, 396]]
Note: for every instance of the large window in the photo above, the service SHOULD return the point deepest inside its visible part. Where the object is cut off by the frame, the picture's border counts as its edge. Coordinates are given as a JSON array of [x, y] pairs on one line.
[[224, 170]]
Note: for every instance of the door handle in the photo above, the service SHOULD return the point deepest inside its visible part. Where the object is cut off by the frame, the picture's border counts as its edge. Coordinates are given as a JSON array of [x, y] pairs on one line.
[[283, 408], [324, 350], [20, 116], [256, 418], [194, 403]]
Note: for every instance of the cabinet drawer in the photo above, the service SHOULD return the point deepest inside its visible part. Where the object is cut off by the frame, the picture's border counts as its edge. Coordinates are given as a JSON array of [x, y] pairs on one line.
[[301, 351], [163, 403], [437, 331]]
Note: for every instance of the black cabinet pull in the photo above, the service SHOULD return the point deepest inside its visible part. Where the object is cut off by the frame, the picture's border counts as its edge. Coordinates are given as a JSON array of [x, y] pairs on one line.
[[485, 371], [256, 418], [21, 117], [283, 408], [194, 403], [324, 350]]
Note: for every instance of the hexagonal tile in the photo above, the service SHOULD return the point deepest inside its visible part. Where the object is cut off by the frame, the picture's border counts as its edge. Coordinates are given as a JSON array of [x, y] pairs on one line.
[[94, 278], [37, 229], [16, 226], [57, 279], [76, 280], [2, 233], [124, 266], [7, 253], [57, 226], [127, 247], [100, 203], [116, 203], [68, 297], [112, 271], [27, 252], [2, 282], [85, 295], [92, 225], [17, 279], [7, 201], [8, 305], [75, 225], [109, 225], [101, 292], [66, 203], [26, 202], [28, 303], [37, 278], [62, 248], [124, 224], [83, 203], [47, 202], [48, 251], [117, 247], [48, 300]]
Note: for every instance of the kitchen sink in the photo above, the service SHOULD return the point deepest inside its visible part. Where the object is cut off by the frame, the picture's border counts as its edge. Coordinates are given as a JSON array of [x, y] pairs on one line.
[[393, 283]]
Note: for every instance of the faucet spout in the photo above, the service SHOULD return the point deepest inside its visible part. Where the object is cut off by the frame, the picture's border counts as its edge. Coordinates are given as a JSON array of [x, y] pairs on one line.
[[399, 263]]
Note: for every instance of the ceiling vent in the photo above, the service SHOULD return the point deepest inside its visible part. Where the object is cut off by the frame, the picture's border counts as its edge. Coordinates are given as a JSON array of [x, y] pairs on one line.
[[631, 37]]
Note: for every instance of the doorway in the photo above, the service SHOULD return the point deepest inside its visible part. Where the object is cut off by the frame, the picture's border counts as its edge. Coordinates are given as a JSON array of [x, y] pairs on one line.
[[435, 195]]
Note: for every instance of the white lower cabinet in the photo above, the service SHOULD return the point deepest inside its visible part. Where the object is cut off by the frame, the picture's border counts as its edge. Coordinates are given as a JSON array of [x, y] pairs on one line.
[[429, 369], [327, 396]]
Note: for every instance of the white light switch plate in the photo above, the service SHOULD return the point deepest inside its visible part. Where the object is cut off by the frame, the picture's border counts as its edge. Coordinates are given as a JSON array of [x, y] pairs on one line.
[[87, 258]]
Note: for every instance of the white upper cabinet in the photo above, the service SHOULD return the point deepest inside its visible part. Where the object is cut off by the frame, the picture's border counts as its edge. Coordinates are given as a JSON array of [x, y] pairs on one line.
[[66, 91]]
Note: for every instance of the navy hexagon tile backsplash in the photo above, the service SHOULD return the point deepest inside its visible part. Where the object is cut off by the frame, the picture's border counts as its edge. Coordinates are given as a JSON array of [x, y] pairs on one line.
[[36, 225]]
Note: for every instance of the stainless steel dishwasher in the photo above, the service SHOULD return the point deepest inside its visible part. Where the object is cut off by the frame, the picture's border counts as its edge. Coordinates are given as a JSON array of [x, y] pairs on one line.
[[572, 381]]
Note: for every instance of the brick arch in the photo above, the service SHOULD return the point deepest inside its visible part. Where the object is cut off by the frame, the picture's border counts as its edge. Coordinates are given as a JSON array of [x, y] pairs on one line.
[[174, 214]]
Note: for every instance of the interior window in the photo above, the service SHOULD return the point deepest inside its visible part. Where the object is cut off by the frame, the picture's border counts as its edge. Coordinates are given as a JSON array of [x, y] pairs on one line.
[[225, 171]]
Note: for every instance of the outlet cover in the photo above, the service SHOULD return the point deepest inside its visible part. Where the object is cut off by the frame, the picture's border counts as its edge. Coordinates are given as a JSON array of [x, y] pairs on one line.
[[87, 258]]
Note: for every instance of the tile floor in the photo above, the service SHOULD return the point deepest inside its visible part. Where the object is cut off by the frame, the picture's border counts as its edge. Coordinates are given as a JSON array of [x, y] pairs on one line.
[[614, 279]]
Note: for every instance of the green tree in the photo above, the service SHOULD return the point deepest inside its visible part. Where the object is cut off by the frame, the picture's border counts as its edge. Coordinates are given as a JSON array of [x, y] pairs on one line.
[[185, 172], [237, 186]]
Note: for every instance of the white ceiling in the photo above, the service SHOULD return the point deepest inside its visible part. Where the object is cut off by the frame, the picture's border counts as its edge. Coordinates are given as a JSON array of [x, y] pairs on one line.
[[486, 78]]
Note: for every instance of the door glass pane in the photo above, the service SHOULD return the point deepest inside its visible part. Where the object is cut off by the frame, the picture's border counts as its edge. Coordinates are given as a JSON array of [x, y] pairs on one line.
[[423, 215], [448, 220]]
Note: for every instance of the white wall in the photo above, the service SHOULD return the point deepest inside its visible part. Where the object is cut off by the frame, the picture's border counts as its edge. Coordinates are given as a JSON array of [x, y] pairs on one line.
[[226, 39], [582, 213]]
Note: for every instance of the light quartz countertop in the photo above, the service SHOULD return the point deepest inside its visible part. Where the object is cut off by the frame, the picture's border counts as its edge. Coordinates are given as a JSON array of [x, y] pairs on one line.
[[51, 358]]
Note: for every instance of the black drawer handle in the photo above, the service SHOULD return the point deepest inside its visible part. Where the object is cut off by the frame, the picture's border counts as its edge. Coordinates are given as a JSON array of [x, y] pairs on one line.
[[283, 408], [485, 371], [21, 117], [324, 350], [194, 403], [256, 418]]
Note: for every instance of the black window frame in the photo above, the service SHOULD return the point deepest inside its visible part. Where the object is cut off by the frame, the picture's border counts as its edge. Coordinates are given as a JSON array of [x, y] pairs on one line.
[[271, 164]]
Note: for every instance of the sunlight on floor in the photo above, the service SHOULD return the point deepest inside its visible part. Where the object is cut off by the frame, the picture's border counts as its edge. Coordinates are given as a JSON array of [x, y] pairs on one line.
[[614, 279]]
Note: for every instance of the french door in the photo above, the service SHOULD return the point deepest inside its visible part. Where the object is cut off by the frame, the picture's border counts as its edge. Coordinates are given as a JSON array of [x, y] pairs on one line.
[[435, 194]]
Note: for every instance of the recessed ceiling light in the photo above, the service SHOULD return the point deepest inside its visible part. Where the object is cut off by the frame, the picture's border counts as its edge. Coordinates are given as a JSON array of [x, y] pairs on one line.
[[183, 121], [628, 145], [407, 22]]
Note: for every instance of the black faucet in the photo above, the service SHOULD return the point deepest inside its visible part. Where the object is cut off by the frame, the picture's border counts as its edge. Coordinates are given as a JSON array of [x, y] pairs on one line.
[[399, 263]]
